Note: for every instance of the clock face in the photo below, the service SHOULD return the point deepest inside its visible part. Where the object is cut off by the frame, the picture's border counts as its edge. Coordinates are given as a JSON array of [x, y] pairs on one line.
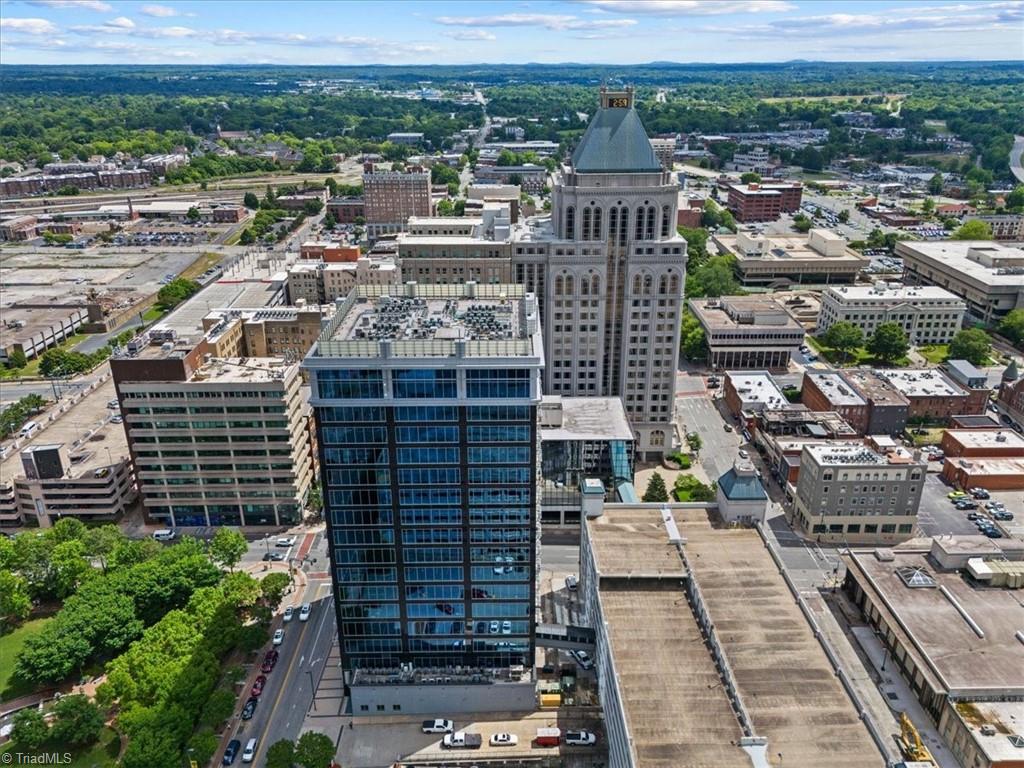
[[619, 102]]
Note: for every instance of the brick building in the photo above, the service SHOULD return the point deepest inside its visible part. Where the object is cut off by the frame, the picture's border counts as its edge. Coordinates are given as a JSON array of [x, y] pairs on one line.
[[390, 198], [986, 443], [346, 209], [763, 202]]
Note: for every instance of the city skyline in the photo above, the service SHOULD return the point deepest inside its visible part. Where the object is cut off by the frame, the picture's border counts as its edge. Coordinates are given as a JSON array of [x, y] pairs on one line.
[[443, 32]]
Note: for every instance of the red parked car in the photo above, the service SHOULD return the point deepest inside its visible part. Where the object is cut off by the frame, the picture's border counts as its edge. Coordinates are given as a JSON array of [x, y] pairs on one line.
[[269, 661], [257, 686]]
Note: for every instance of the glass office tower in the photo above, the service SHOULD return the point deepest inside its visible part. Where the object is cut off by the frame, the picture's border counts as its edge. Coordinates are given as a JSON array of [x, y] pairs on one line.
[[426, 413]]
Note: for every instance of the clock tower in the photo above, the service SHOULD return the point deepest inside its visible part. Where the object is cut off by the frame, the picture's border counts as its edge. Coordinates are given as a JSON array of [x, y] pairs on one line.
[[618, 98]]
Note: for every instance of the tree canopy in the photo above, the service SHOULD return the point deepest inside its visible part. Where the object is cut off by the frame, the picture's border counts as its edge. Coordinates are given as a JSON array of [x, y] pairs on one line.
[[972, 345]]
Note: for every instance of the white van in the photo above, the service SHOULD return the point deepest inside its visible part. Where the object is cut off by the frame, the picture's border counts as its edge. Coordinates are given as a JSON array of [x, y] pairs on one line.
[[164, 534], [250, 751], [30, 428]]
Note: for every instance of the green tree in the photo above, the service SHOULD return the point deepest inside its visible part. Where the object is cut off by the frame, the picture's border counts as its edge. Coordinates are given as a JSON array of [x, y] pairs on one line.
[[227, 547], [696, 245], [15, 604], [251, 201], [68, 529], [1014, 201], [972, 345], [715, 277], [315, 500], [16, 359], [691, 338], [801, 223], [935, 184], [69, 566], [927, 206], [330, 222], [313, 207], [975, 229], [1012, 326], [175, 292], [314, 750], [77, 722], [247, 237], [888, 343], [751, 178], [30, 728], [193, 214], [694, 441], [203, 745], [281, 754], [273, 586], [218, 708], [844, 337], [844, 216], [656, 491]]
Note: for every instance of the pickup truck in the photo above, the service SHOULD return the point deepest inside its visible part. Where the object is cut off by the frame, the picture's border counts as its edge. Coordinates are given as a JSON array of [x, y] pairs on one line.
[[462, 740]]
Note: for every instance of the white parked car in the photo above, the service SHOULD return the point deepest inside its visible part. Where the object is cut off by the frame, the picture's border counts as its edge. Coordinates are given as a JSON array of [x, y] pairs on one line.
[[250, 751], [288, 613], [743, 454], [285, 541], [278, 637], [580, 738], [437, 726], [305, 611], [504, 740], [583, 659]]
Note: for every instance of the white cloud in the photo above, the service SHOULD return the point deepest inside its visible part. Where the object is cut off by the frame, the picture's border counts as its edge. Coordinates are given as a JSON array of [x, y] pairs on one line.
[[121, 22], [29, 26], [126, 27], [159, 11], [552, 21], [692, 7], [88, 5], [470, 34]]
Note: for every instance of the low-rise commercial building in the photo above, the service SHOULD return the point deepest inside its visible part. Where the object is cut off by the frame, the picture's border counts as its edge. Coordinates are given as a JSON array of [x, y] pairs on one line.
[[888, 409], [756, 160], [300, 200], [973, 443], [347, 210], [927, 315], [678, 686], [532, 178], [318, 282], [750, 392], [454, 250], [747, 332], [947, 613], [763, 202], [988, 276], [931, 396], [18, 228], [34, 328], [857, 494], [829, 391], [580, 438], [85, 482], [408, 138], [1011, 393], [993, 473], [819, 257]]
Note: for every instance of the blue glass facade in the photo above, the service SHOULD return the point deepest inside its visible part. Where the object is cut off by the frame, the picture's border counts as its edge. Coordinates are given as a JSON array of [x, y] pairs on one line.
[[431, 512]]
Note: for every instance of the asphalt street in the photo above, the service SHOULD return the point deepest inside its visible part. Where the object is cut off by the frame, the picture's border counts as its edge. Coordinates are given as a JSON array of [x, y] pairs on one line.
[[697, 413]]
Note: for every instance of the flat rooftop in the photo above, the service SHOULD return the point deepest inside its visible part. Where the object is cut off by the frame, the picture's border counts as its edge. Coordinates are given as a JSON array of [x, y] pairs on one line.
[[878, 389], [836, 388], [757, 387], [889, 292], [248, 370], [921, 382], [782, 248], [987, 438], [992, 466], [187, 320], [589, 418], [1005, 717], [856, 454], [402, 318], [676, 707], [931, 621], [954, 256], [747, 313]]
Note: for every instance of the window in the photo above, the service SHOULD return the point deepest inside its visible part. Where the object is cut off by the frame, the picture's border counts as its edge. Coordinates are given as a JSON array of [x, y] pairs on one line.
[[428, 456], [350, 383], [423, 383], [497, 434], [426, 413], [501, 383], [431, 434], [570, 223], [586, 223], [499, 455]]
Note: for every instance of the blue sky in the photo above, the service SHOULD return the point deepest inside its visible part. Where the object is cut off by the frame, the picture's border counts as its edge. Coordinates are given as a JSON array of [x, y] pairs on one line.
[[483, 31]]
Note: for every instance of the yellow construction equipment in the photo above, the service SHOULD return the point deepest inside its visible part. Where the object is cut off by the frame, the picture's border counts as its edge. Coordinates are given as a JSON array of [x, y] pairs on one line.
[[910, 742]]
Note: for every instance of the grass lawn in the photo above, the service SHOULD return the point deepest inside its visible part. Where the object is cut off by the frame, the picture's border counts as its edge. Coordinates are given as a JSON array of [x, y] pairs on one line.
[[152, 314], [858, 356], [32, 369], [934, 353], [10, 645], [932, 436], [200, 265], [102, 754]]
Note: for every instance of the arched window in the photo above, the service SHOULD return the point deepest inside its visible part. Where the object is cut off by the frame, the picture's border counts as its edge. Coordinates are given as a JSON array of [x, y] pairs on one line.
[[623, 225], [638, 230], [673, 284], [569, 289], [648, 285], [586, 223], [666, 215], [650, 223], [559, 286], [584, 286], [657, 437], [613, 223], [597, 224], [663, 285], [570, 222], [637, 284], [595, 285]]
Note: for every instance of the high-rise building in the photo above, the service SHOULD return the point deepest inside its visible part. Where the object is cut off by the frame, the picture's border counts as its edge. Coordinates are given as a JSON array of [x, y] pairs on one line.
[[391, 197], [608, 269], [426, 414]]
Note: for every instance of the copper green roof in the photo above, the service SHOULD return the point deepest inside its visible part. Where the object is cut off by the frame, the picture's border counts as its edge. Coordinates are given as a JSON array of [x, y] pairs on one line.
[[615, 142]]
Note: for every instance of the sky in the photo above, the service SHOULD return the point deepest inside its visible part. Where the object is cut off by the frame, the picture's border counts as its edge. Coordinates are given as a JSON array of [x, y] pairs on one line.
[[504, 31]]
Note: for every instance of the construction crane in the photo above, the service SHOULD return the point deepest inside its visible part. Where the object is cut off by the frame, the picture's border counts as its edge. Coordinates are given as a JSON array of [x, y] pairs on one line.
[[910, 742]]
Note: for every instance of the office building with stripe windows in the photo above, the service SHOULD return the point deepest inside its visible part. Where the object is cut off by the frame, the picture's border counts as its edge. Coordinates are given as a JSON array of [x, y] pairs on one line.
[[425, 400]]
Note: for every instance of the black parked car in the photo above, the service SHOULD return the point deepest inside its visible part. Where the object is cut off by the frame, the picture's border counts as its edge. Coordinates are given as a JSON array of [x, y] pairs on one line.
[[250, 708], [231, 752]]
